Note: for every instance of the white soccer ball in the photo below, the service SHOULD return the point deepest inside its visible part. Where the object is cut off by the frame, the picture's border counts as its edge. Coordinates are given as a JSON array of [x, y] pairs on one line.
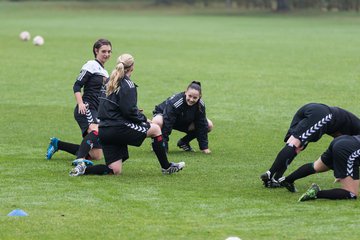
[[233, 238], [25, 36], [38, 41]]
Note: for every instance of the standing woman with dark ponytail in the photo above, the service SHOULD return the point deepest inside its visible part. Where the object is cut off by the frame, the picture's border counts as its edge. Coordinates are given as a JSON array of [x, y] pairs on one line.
[[91, 79], [185, 112], [123, 124]]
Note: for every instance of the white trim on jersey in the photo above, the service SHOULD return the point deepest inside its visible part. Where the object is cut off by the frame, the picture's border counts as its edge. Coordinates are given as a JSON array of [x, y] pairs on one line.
[[130, 83], [325, 120], [179, 102], [94, 67], [81, 75]]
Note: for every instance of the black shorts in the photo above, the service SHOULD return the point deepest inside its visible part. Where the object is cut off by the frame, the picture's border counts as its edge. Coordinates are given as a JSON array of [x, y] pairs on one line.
[[84, 120], [343, 156], [182, 127], [157, 111], [115, 140], [310, 123]]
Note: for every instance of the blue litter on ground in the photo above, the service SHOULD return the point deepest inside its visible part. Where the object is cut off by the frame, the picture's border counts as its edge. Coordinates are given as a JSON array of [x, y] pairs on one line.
[[17, 213]]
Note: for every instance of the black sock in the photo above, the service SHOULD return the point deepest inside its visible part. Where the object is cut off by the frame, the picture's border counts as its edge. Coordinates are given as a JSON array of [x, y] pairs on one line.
[[100, 169], [189, 136], [159, 149], [284, 157], [336, 193], [68, 147], [278, 174], [303, 171], [87, 144]]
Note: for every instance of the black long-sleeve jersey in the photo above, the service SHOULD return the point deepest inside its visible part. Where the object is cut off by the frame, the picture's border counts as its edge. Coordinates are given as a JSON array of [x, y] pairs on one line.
[[178, 115], [92, 76], [343, 123], [120, 107]]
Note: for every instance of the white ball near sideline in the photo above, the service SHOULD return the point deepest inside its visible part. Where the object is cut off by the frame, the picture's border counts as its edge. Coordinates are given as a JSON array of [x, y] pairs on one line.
[[233, 238], [38, 41], [25, 36]]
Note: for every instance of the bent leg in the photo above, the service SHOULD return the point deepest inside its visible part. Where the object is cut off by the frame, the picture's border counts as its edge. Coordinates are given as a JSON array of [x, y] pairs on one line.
[[158, 145], [349, 190], [88, 141], [158, 120], [96, 154], [285, 157], [350, 185], [306, 170]]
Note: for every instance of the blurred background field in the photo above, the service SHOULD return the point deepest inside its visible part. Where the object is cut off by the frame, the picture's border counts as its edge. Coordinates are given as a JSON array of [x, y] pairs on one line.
[[257, 67]]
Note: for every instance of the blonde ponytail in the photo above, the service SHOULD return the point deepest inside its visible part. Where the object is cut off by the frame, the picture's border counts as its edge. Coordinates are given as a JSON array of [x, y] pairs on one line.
[[123, 64]]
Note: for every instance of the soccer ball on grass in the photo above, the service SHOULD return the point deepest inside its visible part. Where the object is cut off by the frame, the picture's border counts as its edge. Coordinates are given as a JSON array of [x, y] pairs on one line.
[[38, 41]]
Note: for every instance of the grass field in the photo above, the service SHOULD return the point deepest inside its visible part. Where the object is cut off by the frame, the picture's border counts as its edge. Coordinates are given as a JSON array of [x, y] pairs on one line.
[[256, 71]]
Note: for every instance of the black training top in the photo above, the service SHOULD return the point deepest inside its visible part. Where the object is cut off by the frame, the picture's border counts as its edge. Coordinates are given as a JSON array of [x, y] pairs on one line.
[[343, 123], [92, 76], [120, 107], [176, 112]]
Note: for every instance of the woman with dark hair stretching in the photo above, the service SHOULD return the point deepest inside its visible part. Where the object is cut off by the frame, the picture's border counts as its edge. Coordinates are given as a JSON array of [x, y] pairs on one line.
[[123, 124], [91, 78], [185, 112]]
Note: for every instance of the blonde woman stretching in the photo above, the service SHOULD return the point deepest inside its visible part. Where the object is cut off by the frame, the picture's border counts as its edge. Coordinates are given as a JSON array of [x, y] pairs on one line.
[[123, 124]]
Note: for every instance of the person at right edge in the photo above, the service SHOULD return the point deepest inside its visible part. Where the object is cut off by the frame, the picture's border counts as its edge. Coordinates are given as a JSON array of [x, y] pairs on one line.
[[309, 124], [342, 156]]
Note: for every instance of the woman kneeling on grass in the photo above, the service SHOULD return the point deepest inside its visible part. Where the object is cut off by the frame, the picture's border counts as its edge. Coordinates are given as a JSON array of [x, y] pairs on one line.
[[342, 156], [91, 79], [185, 112], [122, 124]]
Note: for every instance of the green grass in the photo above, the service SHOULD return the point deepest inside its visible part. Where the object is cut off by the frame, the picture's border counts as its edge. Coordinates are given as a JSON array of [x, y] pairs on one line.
[[256, 71]]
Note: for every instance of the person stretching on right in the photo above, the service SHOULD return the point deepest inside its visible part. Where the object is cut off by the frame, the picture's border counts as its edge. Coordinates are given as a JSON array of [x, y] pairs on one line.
[[342, 156], [309, 124]]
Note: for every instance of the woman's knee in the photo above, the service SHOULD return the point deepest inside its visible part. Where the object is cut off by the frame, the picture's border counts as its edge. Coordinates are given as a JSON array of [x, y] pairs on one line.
[[158, 120], [154, 130], [96, 154], [210, 125], [350, 185], [93, 127], [295, 142], [116, 167], [319, 166]]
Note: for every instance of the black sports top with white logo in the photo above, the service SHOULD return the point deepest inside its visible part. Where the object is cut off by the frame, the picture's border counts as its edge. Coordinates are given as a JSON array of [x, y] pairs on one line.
[[92, 77]]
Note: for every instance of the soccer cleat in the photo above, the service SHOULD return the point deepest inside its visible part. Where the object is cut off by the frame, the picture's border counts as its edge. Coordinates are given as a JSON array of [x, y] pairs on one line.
[[185, 146], [52, 148], [79, 160], [288, 185], [269, 182], [78, 170], [174, 167], [265, 176], [310, 194]]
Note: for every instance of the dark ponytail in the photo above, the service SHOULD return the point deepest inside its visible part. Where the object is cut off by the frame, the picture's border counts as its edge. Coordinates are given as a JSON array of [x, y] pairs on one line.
[[195, 85]]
